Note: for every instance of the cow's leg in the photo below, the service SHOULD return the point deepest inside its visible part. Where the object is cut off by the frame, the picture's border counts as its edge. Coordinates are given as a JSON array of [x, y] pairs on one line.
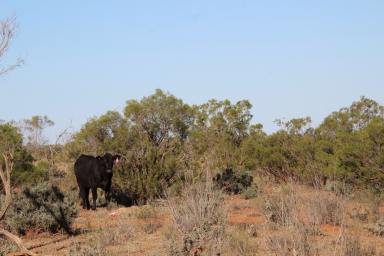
[[107, 195], [87, 198], [82, 195], [94, 197]]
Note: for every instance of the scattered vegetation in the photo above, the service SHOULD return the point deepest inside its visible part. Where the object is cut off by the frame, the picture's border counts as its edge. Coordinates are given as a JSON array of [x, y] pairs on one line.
[[168, 145]]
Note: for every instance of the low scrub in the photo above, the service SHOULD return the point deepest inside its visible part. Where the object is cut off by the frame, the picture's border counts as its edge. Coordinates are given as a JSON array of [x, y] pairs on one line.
[[146, 212], [42, 208], [350, 244], [91, 248], [279, 207], [99, 241], [377, 228], [240, 242], [288, 207], [250, 192], [297, 241], [6, 246], [200, 217]]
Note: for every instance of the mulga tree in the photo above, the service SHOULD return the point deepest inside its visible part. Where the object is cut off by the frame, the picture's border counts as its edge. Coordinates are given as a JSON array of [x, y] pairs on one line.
[[155, 131], [218, 132], [350, 143], [289, 152]]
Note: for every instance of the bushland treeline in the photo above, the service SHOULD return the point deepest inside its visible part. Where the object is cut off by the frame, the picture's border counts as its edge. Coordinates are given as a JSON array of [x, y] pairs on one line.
[[166, 142]]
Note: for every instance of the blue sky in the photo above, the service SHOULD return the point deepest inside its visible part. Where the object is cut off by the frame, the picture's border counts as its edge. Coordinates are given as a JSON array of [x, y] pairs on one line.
[[289, 58]]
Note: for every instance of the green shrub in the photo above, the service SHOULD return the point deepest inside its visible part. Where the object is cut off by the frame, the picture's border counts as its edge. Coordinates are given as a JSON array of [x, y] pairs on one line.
[[232, 183], [138, 185], [43, 208], [32, 174]]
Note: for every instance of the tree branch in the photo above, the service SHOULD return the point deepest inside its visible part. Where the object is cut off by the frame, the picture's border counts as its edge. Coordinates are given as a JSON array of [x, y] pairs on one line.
[[6, 180], [17, 241], [7, 31]]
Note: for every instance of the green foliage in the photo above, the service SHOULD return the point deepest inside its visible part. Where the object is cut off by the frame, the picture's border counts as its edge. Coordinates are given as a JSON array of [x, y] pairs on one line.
[[10, 138], [27, 173], [24, 171], [163, 141], [97, 135], [43, 208]]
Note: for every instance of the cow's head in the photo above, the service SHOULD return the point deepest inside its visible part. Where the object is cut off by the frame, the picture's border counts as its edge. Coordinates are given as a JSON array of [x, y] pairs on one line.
[[108, 161]]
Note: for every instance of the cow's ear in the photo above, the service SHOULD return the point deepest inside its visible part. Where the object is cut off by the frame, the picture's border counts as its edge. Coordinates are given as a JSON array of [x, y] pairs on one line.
[[116, 159]]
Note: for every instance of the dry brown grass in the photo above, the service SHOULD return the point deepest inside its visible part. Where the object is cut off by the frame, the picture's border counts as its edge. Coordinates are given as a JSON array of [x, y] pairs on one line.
[[295, 241], [288, 207], [200, 217], [309, 222], [349, 244], [240, 243]]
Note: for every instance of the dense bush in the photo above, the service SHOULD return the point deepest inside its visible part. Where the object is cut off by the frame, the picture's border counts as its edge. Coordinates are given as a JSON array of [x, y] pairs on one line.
[[42, 208], [163, 141], [232, 183]]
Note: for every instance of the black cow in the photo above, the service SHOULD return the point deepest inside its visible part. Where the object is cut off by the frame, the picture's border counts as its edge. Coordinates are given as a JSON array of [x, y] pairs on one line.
[[92, 173]]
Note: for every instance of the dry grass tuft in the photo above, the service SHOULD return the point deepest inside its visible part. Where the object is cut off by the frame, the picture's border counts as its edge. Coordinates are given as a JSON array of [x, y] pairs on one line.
[[97, 244], [288, 207], [240, 243], [350, 245], [200, 217], [146, 212], [296, 240]]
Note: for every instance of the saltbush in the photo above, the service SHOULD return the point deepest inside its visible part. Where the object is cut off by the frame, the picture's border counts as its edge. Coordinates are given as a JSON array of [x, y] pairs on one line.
[[42, 208]]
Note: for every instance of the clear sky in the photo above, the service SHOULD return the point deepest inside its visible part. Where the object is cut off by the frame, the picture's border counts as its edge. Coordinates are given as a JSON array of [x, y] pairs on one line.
[[289, 58]]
